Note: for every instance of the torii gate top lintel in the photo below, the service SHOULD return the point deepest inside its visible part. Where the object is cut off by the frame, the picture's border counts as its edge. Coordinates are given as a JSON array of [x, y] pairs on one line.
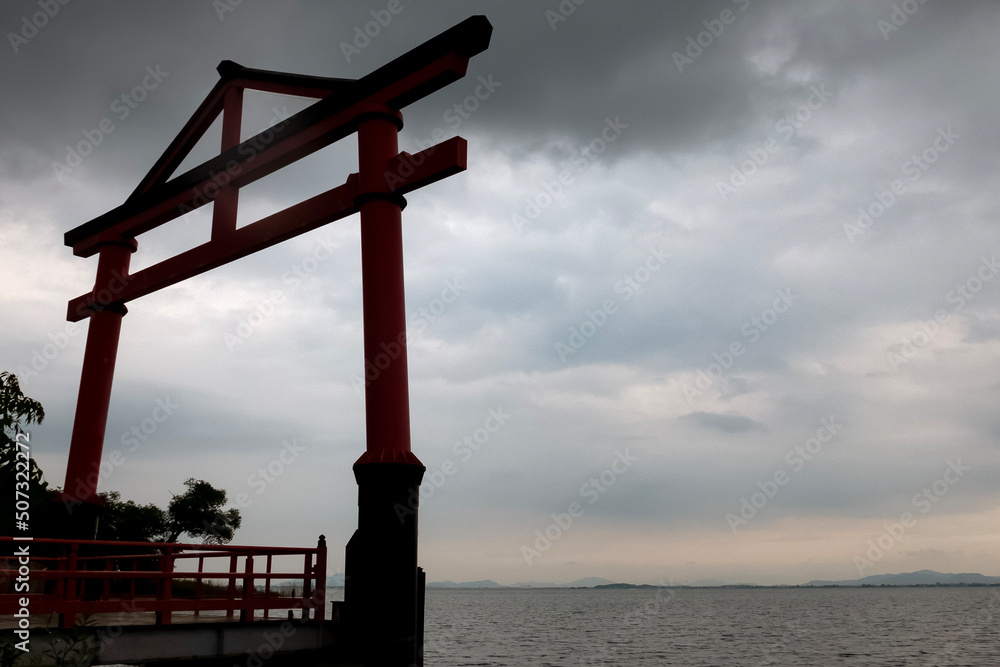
[[342, 104], [369, 106]]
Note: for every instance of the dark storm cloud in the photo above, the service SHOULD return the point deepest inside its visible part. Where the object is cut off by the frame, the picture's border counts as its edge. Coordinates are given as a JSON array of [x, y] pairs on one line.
[[738, 172]]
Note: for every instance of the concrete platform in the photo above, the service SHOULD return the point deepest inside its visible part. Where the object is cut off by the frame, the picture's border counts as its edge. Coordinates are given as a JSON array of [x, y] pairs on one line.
[[203, 644]]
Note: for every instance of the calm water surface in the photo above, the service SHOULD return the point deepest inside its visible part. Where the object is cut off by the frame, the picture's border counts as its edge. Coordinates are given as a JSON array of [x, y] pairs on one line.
[[699, 627]]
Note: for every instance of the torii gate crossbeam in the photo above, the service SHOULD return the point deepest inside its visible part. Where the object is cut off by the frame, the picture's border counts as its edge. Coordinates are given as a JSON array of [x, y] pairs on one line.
[[381, 559]]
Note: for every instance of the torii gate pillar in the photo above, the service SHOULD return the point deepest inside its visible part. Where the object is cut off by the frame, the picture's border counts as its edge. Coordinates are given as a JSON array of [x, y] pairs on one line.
[[93, 400], [382, 555]]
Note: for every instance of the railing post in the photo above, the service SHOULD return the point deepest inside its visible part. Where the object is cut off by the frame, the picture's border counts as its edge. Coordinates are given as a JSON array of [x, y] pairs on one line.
[[231, 590], [321, 578], [166, 585], [307, 584], [198, 586], [68, 620], [132, 580], [106, 589], [267, 587], [59, 589], [246, 613]]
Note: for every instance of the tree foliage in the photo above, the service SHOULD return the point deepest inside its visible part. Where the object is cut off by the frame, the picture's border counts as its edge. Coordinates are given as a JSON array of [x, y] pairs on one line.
[[17, 412], [198, 512], [130, 522]]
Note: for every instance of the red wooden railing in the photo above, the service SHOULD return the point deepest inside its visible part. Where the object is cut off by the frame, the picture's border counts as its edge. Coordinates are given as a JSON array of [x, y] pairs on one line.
[[70, 577]]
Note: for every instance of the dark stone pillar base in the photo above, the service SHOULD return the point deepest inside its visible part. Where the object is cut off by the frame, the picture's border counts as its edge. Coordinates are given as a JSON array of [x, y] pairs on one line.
[[381, 597]]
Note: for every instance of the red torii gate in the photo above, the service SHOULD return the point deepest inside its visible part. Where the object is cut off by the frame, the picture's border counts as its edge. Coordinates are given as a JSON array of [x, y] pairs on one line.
[[381, 557]]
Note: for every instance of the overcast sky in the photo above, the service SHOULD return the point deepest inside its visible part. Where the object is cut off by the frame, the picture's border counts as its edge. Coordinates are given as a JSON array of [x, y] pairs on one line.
[[715, 298]]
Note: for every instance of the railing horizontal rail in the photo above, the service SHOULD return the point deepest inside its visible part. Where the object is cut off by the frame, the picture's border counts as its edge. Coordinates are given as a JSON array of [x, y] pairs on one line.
[[222, 549], [180, 575], [70, 577]]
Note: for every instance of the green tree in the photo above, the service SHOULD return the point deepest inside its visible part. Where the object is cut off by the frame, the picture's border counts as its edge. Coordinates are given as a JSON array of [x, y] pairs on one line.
[[130, 522], [18, 471], [16, 412], [198, 512]]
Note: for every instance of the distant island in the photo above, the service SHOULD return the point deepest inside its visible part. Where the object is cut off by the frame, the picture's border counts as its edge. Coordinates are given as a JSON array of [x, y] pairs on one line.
[[921, 578], [485, 583]]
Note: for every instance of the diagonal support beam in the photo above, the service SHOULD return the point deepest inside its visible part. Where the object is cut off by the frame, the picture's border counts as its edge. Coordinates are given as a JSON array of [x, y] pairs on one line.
[[233, 76]]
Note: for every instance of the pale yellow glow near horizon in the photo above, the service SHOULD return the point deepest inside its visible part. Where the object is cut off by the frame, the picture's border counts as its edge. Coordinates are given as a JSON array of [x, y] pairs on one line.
[[790, 551]]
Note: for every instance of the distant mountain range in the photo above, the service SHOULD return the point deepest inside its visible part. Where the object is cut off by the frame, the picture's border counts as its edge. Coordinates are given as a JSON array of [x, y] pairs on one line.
[[587, 582], [485, 583], [337, 581], [921, 578]]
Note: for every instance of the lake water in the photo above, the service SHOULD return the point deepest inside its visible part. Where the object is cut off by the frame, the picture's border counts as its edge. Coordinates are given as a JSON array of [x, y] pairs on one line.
[[699, 627]]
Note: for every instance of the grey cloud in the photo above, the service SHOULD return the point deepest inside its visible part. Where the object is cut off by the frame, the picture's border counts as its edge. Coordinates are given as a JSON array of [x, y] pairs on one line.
[[656, 185], [726, 423]]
